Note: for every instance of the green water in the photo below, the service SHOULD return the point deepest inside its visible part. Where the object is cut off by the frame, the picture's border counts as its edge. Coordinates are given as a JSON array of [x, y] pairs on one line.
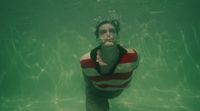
[[41, 42]]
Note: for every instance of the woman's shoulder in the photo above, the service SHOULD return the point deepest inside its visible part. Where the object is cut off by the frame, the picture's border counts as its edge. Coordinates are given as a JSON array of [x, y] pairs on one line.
[[130, 56]]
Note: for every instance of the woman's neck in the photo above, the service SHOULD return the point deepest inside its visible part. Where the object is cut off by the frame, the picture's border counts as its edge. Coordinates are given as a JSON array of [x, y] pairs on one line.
[[109, 54]]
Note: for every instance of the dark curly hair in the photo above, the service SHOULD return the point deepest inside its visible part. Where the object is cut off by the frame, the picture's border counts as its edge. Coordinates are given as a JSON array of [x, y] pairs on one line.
[[115, 23]]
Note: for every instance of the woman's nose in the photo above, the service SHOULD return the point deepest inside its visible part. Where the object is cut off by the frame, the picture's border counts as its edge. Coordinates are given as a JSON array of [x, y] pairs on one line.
[[108, 34]]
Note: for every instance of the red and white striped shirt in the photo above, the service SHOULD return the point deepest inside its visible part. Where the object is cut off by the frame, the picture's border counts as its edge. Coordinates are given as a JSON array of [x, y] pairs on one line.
[[120, 76]]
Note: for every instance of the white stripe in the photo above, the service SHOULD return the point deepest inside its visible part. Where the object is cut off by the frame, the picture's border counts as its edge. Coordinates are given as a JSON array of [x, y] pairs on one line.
[[91, 72], [126, 67], [131, 50], [112, 82], [121, 68], [85, 56]]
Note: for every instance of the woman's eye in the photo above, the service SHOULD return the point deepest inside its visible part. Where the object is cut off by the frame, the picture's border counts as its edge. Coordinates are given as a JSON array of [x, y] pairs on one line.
[[102, 32], [112, 30]]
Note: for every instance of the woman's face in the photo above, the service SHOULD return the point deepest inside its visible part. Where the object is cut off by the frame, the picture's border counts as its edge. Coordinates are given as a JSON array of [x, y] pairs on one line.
[[107, 34]]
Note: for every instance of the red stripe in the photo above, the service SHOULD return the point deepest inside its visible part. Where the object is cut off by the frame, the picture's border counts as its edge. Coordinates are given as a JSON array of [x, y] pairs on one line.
[[115, 86], [88, 63], [130, 57], [115, 76]]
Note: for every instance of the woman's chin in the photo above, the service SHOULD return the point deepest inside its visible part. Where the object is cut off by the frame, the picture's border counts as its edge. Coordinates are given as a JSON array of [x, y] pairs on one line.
[[109, 43]]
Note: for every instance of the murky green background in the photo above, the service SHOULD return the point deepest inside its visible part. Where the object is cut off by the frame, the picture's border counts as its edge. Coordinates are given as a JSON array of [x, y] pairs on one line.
[[41, 42]]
